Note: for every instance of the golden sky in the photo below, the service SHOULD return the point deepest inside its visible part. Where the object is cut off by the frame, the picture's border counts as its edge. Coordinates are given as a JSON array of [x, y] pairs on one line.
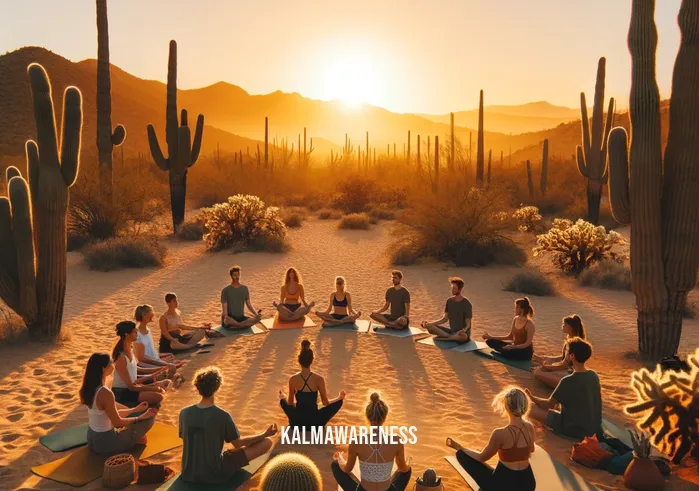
[[428, 56]]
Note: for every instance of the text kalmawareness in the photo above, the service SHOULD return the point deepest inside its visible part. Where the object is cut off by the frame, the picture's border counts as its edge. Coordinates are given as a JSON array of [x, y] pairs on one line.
[[347, 435]]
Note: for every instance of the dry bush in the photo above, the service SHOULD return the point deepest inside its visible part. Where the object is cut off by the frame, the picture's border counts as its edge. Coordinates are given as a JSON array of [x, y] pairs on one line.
[[530, 282], [293, 217], [354, 194], [192, 230], [382, 212], [608, 275], [125, 252], [329, 214], [355, 221]]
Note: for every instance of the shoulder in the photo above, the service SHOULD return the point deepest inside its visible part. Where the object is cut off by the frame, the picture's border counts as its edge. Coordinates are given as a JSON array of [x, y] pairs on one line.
[[226, 288]]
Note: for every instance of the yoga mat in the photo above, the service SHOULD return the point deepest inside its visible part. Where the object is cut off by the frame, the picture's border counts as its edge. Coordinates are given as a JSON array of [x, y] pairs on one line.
[[401, 333], [471, 346], [275, 323], [238, 479], [82, 466], [358, 326], [439, 343], [61, 440], [250, 331], [550, 474], [357, 475], [494, 355]]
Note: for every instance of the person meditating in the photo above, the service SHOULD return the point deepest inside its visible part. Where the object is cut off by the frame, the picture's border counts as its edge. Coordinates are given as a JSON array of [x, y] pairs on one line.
[[375, 461], [304, 388], [339, 309], [518, 344], [513, 443], [579, 395], [171, 326], [128, 388], [105, 414], [205, 428], [554, 368], [292, 303], [458, 311], [398, 299], [234, 298], [144, 347]]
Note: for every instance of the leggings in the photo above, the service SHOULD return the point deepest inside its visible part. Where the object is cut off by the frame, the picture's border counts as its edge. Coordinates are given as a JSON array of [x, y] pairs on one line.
[[499, 479], [309, 418], [119, 440], [347, 482], [514, 354]]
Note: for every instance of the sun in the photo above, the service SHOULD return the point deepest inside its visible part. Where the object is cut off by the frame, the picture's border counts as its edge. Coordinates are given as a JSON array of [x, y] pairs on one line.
[[352, 79]]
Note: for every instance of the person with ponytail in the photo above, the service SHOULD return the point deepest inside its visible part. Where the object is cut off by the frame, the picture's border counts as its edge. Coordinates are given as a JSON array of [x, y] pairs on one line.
[[301, 405], [375, 461], [519, 343], [342, 311], [513, 443], [554, 368], [105, 414], [127, 387]]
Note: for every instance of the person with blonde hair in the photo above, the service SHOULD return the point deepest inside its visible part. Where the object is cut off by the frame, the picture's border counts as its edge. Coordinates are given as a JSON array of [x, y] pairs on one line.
[[519, 343], [554, 368], [513, 443], [341, 306], [375, 461], [292, 302]]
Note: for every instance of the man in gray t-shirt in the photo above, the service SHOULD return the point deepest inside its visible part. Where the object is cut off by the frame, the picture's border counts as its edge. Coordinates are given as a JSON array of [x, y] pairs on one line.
[[398, 299], [234, 298], [458, 311]]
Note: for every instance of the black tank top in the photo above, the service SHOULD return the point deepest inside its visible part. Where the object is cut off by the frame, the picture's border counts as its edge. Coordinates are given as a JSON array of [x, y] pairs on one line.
[[338, 303]]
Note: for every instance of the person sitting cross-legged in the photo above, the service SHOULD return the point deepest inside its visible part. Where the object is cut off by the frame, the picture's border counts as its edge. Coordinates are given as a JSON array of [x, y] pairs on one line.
[[398, 299], [458, 311], [340, 305], [554, 368], [519, 343], [292, 301], [234, 298]]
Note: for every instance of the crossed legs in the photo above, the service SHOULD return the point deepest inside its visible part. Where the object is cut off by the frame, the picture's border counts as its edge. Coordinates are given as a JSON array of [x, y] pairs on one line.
[[230, 323], [389, 322], [329, 320], [287, 314]]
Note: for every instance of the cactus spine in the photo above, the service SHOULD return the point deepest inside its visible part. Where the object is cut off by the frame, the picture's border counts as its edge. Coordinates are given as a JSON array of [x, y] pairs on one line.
[[544, 168], [592, 155], [33, 219], [480, 150], [106, 139], [660, 201], [182, 152]]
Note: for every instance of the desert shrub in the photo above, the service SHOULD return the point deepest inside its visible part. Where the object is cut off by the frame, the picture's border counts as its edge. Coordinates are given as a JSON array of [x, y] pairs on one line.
[[329, 214], [293, 217], [530, 282], [390, 198], [242, 222], [528, 219], [124, 252], [354, 194], [576, 246], [355, 221], [382, 212], [607, 274], [192, 230]]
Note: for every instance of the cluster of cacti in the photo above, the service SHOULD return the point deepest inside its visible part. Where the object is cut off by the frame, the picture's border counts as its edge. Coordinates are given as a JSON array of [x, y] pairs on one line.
[[659, 199], [592, 155], [182, 152], [544, 172], [481, 149], [106, 138], [33, 220], [668, 408]]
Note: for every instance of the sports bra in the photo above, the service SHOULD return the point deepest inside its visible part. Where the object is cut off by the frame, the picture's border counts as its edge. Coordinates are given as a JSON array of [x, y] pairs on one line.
[[308, 401], [515, 453], [376, 471], [519, 334], [294, 296], [340, 303]]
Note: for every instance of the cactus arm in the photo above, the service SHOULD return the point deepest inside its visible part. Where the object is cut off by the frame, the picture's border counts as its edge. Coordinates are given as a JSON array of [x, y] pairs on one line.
[[72, 129], [196, 144], [582, 168], [8, 259], [184, 147], [597, 121], [619, 176], [119, 135], [11, 172], [585, 123], [608, 126], [33, 168], [23, 235], [156, 153], [43, 113]]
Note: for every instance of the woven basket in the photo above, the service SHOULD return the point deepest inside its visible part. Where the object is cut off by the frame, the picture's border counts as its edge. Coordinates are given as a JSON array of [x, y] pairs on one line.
[[119, 471]]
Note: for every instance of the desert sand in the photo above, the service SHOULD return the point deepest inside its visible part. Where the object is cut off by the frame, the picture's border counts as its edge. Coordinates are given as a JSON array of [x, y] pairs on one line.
[[440, 392]]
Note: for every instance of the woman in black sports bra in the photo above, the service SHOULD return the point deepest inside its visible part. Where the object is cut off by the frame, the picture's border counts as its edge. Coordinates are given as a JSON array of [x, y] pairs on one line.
[[301, 406], [340, 305]]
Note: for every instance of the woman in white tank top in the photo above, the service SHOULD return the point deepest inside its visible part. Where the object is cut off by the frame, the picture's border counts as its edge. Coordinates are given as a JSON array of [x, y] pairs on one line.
[[375, 461], [105, 414], [148, 356]]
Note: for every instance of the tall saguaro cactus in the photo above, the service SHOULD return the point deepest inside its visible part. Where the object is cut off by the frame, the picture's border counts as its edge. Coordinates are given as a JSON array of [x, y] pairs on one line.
[[106, 138], [659, 199], [544, 168], [33, 219], [592, 155], [182, 152], [480, 151]]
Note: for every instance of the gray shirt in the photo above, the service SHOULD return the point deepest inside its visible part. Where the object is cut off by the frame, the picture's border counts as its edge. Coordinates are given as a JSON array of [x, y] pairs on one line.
[[235, 297], [580, 397], [398, 298], [458, 312]]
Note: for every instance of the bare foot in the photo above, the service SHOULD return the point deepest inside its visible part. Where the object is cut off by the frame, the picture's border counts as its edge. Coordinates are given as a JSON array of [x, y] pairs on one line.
[[143, 440]]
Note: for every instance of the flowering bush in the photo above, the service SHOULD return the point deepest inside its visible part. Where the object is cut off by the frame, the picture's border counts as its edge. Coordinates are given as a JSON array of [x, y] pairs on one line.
[[575, 246], [242, 221], [528, 217]]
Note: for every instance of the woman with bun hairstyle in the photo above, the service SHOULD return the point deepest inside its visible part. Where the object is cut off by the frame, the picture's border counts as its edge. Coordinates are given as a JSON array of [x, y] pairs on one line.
[[375, 461], [128, 389], [518, 344], [105, 414], [301, 406], [513, 443], [554, 368]]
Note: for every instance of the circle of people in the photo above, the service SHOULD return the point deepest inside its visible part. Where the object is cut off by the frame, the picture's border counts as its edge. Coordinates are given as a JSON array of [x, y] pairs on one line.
[[120, 416]]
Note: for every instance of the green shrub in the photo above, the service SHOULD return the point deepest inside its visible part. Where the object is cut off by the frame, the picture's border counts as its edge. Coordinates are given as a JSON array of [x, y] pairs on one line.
[[125, 252], [329, 214], [530, 282], [607, 274], [355, 221], [192, 230]]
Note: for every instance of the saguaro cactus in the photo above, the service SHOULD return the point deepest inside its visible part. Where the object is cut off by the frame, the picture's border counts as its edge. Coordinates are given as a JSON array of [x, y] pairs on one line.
[[106, 138], [33, 219], [435, 185], [480, 150], [661, 201], [592, 155], [530, 180], [182, 152], [490, 158], [544, 168]]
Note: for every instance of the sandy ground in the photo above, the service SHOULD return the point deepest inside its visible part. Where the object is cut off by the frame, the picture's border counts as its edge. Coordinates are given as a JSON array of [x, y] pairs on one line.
[[440, 392]]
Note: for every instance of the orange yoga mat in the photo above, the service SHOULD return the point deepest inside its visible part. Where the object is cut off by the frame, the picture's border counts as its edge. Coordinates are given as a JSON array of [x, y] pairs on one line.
[[276, 323]]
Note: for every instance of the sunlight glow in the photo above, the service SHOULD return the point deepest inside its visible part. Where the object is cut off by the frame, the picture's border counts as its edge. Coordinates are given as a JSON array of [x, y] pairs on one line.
[[352, 79]]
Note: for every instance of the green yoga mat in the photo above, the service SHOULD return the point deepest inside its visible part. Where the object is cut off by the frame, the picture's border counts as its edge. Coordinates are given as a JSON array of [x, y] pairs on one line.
[[358, 326], [61, 440], [494, 355], [550, 474], [398, 333], [250, 331], [238, 479]]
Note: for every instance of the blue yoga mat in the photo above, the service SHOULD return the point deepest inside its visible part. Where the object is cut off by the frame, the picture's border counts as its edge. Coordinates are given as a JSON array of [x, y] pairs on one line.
[[61, 440], [494, 355], [358, 326]]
